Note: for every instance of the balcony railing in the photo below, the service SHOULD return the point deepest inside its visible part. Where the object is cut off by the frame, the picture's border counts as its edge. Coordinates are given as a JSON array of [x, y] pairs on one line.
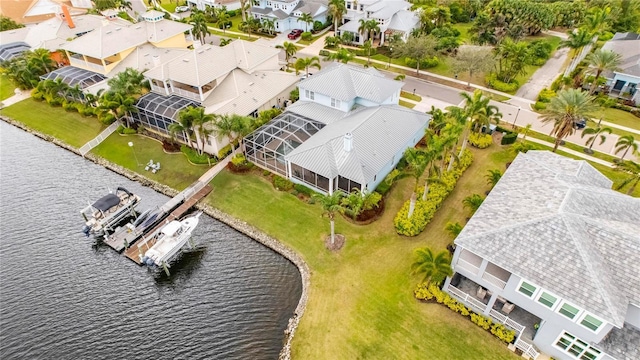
[[527, 348], [467, 266], [494, 280], [159, 89], [503, 319], [187, 94], [476, 304], [86, 64]]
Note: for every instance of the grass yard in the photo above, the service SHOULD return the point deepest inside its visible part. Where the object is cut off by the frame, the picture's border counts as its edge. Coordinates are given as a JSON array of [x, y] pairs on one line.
[[465, 37], [169, 5], [361, 302], [410, 96], [622, 118], [406, 104], [70, 127], [6, 87], [575, 147], [175, 170]]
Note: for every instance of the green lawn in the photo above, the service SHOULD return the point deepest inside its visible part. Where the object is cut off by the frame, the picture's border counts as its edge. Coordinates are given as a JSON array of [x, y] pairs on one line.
[[6, 87], [70, 127], [406, 104], [572, 146], [361, 302], [465, 37], [410, 96], [175, 170], [169, 5], [622, 118]]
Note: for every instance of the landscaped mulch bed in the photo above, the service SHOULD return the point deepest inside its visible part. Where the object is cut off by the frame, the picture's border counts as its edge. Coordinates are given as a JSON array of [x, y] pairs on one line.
[[338, 242]]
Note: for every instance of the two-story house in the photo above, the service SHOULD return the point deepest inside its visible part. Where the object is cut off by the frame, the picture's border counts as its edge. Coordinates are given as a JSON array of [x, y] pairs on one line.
[[240, 78], [624, 81], [218, 4], [286, 13], [346, 132], [554, 254], [394, 17]]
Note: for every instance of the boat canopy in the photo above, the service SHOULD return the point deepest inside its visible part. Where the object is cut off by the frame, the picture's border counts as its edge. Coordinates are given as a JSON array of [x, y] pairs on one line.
[[106, 202], [171, 228]]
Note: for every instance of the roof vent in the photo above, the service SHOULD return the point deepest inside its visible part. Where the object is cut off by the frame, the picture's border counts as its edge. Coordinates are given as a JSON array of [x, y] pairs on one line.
[[251, 84], [109, 32], [185, 60], [348, 142]]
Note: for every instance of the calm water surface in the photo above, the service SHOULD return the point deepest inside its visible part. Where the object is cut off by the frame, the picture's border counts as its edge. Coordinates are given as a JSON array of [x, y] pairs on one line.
[[63, 296]]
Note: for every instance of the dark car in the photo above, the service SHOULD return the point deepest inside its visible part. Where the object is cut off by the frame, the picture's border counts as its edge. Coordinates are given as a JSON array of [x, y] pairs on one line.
[[580, 124], [294, 34]]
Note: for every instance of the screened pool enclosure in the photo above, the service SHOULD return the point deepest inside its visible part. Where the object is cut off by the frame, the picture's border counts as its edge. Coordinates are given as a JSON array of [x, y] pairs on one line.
[[73, 76], [156, 112]]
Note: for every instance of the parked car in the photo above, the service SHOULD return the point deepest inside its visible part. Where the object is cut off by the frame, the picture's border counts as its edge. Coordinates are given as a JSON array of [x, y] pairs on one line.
[[580, 124], [294, 34], [180, 9]]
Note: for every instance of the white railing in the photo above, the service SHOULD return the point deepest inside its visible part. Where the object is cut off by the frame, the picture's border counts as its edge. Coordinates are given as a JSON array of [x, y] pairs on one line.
[[506, 321], [527, 348], [467, 266], [183, 195], [159, 89], [469, 299], [187, 94], [86, 64], [98, 139], [494, 280]]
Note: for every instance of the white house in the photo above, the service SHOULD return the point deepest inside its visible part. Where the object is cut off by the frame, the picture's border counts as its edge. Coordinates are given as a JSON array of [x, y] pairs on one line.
[[228, 4], [286, 13], [392, 16], [624, 82], [554, 254], [346, 132]]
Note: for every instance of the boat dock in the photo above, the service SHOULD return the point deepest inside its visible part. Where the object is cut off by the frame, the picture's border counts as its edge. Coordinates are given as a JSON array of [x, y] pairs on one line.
[[189, 197]]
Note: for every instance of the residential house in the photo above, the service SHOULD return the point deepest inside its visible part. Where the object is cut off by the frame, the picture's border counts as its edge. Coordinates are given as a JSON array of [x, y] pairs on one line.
[[240, 78], [346, 132], [36, 11], [624, 81], [394, 17], [218, 4], [554, 254], [286, 13]]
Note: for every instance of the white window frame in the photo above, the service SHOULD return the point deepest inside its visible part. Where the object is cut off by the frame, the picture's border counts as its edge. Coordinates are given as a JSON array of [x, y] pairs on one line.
[[572, 342], [584, 315], [309, 95], [335, 103], [578, 314], [555, 304], [535, 292]]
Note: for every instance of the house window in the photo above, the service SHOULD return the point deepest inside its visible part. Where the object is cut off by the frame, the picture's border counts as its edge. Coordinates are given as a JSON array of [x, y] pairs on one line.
[[547, 299], [527, 289], [569, 311], [335, 103], [591, 322], [577, 348], [309, 95]]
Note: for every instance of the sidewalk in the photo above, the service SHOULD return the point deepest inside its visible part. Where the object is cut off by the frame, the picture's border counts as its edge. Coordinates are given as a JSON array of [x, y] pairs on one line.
[[569, 151], [22, 95]]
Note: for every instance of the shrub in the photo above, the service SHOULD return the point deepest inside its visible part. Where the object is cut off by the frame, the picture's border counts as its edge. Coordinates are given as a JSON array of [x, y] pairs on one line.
[[294, 95], [281, 183], [539, 105], [37, 95], [303, 189], [227, 25], [509, 139], [481, 141], [493, 82], [54, 101], [239, 159], [231, 13], [129, 131], [422, 292], [317, 25], [106, 118], [424, 63], [502, 333], [481, 321], [504, 130], [306, 36], [196, 158], [120, 129], [224, 152], [425, 209], [324, 53], [546, 95], [383, 188], [69, 106], [266, 172], [86, 110]]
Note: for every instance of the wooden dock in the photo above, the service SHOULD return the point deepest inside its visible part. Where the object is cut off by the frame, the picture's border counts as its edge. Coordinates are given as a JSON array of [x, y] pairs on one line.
[[136, 251]]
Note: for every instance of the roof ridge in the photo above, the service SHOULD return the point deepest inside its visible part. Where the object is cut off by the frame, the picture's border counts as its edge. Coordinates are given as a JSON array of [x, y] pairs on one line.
[[515, 225]]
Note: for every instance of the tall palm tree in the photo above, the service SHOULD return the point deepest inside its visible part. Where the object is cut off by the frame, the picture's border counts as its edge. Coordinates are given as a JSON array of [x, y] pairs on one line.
[[434, 267], [290, 50], [119, 104], [368, 49], [417, 162], [269, 25], [493, 176], [331, 204], [577, 40], [223, 19], [477, 112], [342, 55], [625, 143], [633, 170], [41, 58], [201, 121], [337, 9], [599, 61], [307, 19], [595, 132], [184, 125], [306, 63], [200, 28], [565, 109], [472, 202]]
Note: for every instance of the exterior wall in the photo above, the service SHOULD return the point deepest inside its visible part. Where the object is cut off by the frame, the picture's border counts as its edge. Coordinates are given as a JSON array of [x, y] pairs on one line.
[[178, 41], [628, 79], [324, 100], [633, 315]]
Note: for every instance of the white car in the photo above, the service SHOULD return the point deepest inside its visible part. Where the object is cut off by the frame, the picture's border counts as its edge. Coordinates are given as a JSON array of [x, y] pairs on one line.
[[180, 9]]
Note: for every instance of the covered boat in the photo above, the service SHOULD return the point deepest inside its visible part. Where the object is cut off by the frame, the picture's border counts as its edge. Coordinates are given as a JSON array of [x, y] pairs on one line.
[[108, 211]]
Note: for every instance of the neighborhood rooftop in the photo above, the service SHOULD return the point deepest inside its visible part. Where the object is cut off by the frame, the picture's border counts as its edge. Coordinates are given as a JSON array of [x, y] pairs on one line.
[[557, 222], [628, 46]]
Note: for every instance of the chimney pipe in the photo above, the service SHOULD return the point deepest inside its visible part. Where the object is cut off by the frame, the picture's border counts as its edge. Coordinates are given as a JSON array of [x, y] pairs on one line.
[[348, 142], [67, 16]]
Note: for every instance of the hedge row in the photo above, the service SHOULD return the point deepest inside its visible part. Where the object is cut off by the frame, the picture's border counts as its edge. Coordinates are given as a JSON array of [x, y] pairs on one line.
[[432, 292], [426, 209]]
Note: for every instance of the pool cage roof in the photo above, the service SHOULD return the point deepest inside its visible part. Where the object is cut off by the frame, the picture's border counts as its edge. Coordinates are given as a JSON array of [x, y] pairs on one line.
[[165, 106], [9, 51], [73, 76], [283, 134]]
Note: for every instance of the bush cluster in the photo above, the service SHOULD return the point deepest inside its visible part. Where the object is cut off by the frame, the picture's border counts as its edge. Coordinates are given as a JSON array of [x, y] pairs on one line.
[[196, 158], [509, 139], [306, 36], [546, 95], [481, 141], [303, 189], [493, 82], [425, 209], [122, 130], [224, 152], [282, 184], [424, 63]]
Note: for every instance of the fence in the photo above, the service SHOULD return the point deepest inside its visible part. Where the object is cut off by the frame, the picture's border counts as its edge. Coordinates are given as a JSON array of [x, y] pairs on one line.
[[98, 139]]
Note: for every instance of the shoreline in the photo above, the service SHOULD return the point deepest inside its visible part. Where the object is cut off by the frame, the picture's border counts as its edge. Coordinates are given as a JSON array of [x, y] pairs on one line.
[[236, 224]]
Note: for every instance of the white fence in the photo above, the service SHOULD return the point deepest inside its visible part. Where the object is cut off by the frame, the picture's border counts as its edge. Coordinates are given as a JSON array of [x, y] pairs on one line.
[[476, 304], [98, 139], [506, 321], [183, 195], [527, 348]]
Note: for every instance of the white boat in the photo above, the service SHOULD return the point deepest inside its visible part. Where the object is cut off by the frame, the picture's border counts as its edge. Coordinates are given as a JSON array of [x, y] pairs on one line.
[[170, 240], [108, 211]]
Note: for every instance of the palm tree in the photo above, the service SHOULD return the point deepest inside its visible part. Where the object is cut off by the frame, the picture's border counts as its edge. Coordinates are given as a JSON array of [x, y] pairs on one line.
[[601, 60], [525, 131], [290, 50], [223, 19], [332, 41], [200, 28], [201, 121], [307, 19], [493, 176], [331, 204], [473, 202], [119, 104], [576, 41], [306, 63], [625, 143], [225, 42], [41, 58], [595, 132], [342, 55], [417, 162], [368, 49], [435, 268], [184, 125], [269, 25], [337, 9], [633, 170], [565, 109], [477, 112], [598, 20], [353, 203], [453, 229]]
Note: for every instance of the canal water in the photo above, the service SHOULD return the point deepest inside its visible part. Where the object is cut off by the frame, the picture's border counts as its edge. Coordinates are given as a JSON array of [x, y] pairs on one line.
[[64, 296]]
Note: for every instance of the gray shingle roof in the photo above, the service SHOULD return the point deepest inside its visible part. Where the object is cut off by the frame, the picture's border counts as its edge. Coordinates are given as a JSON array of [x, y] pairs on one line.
[[623, 344], [379, 133], [628, 47], [404, 21], [555, 222], [345, 82]]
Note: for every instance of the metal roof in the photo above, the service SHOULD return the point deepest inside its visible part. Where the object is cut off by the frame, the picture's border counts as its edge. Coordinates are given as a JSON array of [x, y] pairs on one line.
[[73, 76], [556, 222], [165, 106], [404, 21], [9, 51]]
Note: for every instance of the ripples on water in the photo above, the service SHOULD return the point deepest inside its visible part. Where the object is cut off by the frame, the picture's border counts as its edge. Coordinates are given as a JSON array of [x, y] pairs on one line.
[[63, 296]]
